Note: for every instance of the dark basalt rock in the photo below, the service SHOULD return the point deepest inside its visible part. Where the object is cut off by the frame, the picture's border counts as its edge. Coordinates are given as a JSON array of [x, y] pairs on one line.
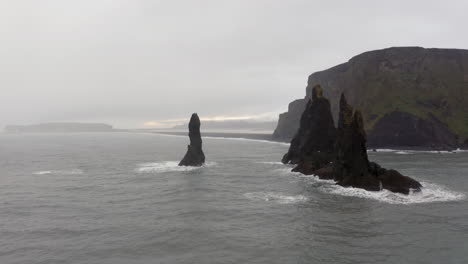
[[315, 139], [352, 164], [194, 155], [341, 154]]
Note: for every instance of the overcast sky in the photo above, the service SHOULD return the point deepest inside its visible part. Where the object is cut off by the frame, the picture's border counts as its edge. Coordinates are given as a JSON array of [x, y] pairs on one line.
[[131, 62]]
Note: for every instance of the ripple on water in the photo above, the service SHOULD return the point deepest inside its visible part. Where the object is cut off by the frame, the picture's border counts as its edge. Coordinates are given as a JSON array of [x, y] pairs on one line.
[[59, 172]]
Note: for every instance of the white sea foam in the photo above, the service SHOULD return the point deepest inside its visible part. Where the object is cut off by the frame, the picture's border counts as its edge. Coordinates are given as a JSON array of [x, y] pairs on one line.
[[460, 150], [168, 166], [286, 171], [430, 192], [62, 172], [405, 152], [402, 152], [382, 150], [276, 197]]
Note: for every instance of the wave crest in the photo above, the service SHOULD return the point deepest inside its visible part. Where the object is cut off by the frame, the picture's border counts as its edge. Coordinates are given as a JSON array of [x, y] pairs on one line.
[[279, 198], [430, 192]]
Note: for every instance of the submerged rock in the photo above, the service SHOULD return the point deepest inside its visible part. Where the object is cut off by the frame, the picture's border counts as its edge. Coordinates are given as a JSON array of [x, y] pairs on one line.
[[314, 141], [194, 155], [340, 154]]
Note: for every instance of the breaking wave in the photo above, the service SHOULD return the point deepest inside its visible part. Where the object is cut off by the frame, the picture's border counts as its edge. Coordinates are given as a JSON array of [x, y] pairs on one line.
[[430, 192], [275, 197], [168, 166]]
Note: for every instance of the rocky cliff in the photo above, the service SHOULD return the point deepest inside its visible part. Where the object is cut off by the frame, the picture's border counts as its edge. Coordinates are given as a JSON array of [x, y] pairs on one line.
[[403, 93]]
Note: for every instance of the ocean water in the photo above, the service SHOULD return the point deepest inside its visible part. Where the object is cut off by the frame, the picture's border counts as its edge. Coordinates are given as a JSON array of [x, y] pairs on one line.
[[121, 198]]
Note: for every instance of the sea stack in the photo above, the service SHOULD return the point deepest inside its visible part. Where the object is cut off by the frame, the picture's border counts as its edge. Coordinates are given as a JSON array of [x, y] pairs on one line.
[[352, 164], [340, 154], [194, 156], [314, 142], [352, 167]]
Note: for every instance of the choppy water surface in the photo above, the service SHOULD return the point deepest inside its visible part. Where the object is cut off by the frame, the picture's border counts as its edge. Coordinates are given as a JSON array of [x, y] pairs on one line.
[[121, 198]]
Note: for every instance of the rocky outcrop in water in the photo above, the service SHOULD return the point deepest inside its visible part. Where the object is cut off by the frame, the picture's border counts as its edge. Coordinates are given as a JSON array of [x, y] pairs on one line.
[[351, 166], [428, 85], [345, 158], [316, 120], [194, 155]]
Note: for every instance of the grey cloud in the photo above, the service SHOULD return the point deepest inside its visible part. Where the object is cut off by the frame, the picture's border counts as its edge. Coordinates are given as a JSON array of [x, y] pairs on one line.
[[136, 60]]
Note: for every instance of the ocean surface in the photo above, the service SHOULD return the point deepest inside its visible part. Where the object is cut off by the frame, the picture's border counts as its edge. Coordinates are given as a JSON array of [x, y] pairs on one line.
[[121, 198]]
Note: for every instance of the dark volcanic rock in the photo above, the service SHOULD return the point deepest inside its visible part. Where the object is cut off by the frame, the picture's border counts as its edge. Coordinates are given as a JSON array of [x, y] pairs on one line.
[[401, 129], [412, 80], [194, 155], [319, 149], [315, 139], [352, 164]]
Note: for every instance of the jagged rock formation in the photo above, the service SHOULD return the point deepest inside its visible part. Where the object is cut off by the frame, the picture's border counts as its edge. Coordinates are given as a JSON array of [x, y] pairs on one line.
[[194, 155], [316, 120], [430, 86], [346, 161], [352, 164]]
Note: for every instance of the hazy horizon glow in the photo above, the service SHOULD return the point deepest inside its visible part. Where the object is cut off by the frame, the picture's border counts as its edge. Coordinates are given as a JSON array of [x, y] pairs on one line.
[[270, 116], [129, 62]]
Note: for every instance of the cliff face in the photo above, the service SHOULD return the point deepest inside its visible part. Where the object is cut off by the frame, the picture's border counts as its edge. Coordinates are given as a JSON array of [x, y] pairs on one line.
[[288, 122], [429, 86]]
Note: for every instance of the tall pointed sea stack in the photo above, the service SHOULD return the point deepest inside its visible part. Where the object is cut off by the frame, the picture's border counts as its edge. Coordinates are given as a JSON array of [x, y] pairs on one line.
[[314, 141], [352, 164], [194, 155]]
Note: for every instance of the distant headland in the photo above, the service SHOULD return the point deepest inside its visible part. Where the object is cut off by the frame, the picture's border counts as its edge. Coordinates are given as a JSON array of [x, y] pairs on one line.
[[59, 128]]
